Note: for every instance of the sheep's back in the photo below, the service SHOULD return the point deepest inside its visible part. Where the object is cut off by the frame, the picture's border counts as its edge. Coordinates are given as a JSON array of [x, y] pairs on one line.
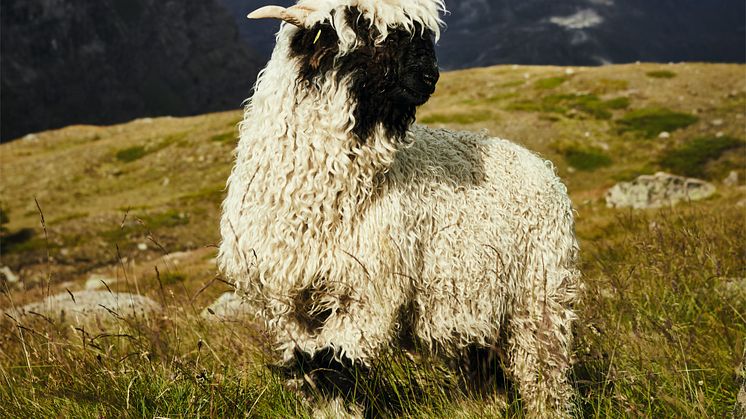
[[484, 209]]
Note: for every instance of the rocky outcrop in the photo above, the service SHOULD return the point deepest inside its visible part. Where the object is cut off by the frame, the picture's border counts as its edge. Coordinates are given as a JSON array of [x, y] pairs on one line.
[[86, 307], [109, 61], [658, 190]]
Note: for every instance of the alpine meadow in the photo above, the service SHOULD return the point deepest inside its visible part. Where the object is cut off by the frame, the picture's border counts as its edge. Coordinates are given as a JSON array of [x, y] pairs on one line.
[[111, 298]]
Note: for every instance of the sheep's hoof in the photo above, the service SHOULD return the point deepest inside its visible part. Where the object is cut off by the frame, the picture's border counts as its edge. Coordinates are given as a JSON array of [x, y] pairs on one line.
[[321, 373]]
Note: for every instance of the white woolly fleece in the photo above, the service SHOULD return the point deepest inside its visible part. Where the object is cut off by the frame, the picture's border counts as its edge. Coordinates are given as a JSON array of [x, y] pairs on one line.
[[473, 235]]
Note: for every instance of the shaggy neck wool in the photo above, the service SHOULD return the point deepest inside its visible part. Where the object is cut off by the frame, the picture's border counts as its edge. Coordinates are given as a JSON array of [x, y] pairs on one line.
[[316, 111]]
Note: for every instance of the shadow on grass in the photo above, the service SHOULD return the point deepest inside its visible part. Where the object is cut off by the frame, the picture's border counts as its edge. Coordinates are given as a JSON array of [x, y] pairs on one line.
[[20, 241]]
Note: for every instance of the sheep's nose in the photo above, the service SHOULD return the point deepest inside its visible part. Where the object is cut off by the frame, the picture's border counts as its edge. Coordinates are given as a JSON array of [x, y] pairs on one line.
[[431, 77]]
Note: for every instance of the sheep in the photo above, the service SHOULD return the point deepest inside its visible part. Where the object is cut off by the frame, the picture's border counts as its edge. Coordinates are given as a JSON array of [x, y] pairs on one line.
[[350, 226]]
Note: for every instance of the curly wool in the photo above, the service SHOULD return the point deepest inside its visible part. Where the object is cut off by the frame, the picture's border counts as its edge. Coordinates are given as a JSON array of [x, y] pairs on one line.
[[471, 237]]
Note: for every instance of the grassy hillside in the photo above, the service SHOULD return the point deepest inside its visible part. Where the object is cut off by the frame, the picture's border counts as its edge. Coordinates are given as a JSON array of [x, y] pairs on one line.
[[661, 329]]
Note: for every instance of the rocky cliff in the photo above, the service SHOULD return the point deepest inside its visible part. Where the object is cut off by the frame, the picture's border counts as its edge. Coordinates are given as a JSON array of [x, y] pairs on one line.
[[107, 61], [569, 32], [592, 32]]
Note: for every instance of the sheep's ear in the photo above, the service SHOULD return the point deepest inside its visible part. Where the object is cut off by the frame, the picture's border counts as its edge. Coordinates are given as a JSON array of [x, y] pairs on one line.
[[296, 14]]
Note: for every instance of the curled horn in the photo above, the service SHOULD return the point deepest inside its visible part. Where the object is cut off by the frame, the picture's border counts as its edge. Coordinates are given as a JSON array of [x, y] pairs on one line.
[[295, 14]]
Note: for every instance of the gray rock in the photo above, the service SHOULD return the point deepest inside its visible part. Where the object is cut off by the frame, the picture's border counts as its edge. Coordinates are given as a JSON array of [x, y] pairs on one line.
[[87, 307], [732, 287], [228, 306], [97, 281], [177, 257], [8, 276], [731, 179], [658, 190]]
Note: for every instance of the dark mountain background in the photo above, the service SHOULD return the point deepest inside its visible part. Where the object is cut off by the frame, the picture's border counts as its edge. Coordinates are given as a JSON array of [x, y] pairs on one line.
[[567, 32], [593, 32], [106, 61]]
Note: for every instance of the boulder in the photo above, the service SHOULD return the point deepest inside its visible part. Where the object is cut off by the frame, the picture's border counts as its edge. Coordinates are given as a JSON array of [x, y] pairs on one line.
[[87, 307], [731, 179], [97, 281], [7, 275], [658, 190]]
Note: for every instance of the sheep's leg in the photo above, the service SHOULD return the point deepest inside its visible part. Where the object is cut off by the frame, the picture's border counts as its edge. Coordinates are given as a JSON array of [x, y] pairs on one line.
[[362, 328], [539, 357], [350, 338]]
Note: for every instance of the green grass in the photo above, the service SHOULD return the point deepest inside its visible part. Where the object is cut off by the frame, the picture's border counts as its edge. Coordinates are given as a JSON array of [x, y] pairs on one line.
[[170, 278], [549, 82], [588, 104], [650, 122], [600, 109], [660, 329], [661, 336], [229, 136], [617, 103], [514, 83], [170, 218], [691, 158], [661, 74], [67, 217], [497, 98], [131, 154], [604, 86], [657, 336], [586, 159], [461, 118], [152, 368], [142, 224]]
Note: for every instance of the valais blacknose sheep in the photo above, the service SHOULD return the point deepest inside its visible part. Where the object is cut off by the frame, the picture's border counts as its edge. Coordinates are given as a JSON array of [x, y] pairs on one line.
[[355, 230]]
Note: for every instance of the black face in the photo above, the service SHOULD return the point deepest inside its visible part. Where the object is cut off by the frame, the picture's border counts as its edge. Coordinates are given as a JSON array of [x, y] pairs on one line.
[[388, 81]]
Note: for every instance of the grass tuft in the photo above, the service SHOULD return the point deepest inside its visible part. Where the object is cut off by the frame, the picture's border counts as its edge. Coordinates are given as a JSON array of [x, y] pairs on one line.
[[131, 154], [661, 74], [562, 103], [588, 159], [229, 136], [604, 86], [462, 118], [691, 158], [662, 334], [171, 278], [549, 82], [144, 223], [650, 122]]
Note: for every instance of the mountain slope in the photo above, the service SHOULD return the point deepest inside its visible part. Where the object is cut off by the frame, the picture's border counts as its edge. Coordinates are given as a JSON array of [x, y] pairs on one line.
[[659, 330], [571, 32], [113, 60], [592, 32], [85, 177]]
